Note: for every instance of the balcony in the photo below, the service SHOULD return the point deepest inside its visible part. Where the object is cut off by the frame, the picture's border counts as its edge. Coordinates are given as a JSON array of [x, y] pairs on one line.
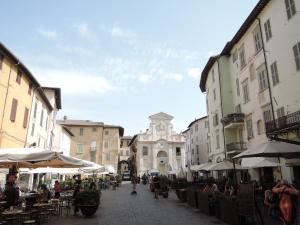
[[283, 124], [233, 120], [236, 147]]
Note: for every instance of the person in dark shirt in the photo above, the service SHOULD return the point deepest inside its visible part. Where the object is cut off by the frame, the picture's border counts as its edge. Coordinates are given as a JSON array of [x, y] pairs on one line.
[[11, 195]]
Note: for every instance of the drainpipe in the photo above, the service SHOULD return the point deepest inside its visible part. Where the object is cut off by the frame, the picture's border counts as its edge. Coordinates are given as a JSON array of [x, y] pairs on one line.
[[267, 70], [224, 142], [5, 101]]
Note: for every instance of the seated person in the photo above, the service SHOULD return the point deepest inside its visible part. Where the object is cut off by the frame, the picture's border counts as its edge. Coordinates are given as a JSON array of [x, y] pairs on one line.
[[45, 194]]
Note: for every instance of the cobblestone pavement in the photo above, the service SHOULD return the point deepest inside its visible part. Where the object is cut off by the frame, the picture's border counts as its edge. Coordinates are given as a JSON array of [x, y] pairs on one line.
[[119, 207]]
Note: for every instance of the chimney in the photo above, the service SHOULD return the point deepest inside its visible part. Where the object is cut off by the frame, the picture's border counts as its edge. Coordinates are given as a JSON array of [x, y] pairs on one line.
[[65, 118]]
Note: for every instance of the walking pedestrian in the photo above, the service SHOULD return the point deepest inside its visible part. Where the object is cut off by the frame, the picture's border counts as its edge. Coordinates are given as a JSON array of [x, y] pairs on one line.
[[155, 181]]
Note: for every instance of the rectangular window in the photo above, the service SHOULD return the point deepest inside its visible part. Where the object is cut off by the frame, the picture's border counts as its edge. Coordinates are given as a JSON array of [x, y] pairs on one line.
[[81, 131], [213, 75], [93, 146], [280, 112], [106, 132], [262, 78], [25, 120], [13, 111], [290, 8], [245, 86], [237, 87], [30, 89], [206, 124], [108, 156], [296, 50], [214, 91], [249, 127], [47, 117], [106, 144], [252, 72], [145, 150], [197, 149], [19, 76], [196, 127], [257, 39], [238, 109], [274, 72], [94, 129], [1, 60], [218, 141], [215, 119], [35, 109], [234, 56], [32, 130], [267, 115], [268, 31], [178, 151], [127, 152], [242, 57], [79, 149], [42, 118], [39, 142]]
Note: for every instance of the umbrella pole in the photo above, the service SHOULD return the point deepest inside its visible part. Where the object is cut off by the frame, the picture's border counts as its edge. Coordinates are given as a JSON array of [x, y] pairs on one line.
[[280, 168], [235, 177]]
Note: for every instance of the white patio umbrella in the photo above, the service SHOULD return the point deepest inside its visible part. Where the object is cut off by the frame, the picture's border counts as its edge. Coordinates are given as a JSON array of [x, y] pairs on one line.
[[39, 159], [225, 165], [54, 170], [272, 149], [259, 162]]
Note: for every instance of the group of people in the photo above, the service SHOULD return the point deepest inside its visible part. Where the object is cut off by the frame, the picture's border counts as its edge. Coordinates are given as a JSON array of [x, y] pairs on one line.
[[224, 187]]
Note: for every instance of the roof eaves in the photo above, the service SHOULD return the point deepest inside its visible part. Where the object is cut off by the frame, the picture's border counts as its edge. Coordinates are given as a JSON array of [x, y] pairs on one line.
[[205, 72]]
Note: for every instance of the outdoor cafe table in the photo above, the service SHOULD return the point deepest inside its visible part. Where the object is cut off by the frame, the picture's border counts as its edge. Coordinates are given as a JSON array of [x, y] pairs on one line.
[[41, 204]]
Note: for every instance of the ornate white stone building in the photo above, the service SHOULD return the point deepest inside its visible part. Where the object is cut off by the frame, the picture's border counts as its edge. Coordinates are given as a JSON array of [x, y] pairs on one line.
[[160, 148]]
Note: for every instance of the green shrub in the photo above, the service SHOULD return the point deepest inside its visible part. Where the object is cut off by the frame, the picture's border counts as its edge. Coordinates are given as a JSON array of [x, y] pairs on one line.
[[179, 183], [87, 198]]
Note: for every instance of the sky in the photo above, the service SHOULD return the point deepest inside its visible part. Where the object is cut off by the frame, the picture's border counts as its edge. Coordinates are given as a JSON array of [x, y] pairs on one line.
[[118, 61]]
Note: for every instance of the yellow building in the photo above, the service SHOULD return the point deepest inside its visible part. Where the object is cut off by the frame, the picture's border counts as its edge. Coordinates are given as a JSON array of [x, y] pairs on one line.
[[17, 86], [94, 141]]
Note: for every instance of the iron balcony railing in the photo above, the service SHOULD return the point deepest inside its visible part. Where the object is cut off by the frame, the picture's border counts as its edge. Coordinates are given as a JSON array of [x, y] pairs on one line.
[[283, 123], [233, 118], [236, 146]]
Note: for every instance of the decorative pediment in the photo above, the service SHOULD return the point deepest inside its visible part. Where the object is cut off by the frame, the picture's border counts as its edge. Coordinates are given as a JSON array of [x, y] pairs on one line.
[[161, 116]]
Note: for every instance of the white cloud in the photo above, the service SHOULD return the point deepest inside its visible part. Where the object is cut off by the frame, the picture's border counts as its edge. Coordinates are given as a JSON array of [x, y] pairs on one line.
[[194, 72], [144, 78], [117, 31], [50, 34], [173, 76], [73, 82], [85, 32]]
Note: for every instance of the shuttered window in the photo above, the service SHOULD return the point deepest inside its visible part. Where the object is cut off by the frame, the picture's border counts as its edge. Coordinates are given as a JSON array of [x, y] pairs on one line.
[[290, 8], [29, 89], [13, 112], [19, 76], [25, 117], [1, 60]]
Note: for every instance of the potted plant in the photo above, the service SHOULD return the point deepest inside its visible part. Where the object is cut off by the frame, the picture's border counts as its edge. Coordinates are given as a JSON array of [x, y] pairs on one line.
[[88, 202]]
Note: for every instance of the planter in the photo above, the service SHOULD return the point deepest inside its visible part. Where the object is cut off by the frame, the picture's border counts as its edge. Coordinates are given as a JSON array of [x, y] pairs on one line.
[[88, 210], [206, 204], [191, 195], [229, 211], [182, 195]]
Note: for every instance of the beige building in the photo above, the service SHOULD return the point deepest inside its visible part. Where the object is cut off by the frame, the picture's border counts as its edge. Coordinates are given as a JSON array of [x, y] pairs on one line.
[[94, 141], [17, 88]]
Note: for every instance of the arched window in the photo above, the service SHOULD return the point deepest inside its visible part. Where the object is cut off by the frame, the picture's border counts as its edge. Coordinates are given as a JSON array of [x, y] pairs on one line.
[[259, 127]]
